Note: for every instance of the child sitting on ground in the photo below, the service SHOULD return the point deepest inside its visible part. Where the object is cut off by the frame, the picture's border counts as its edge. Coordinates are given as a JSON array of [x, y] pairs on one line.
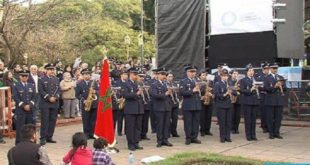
[[100, 156], [80, 154]]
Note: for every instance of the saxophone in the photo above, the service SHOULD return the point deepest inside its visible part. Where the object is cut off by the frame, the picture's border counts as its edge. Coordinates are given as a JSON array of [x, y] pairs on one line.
[[233, 97], [207, 97], [90, 97]]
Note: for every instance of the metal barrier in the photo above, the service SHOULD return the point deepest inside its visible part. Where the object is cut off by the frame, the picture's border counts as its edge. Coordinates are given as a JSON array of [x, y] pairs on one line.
[[6, 114]]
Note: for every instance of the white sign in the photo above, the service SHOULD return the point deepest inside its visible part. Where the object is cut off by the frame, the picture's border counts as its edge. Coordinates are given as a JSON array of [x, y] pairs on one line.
[[240, 16]]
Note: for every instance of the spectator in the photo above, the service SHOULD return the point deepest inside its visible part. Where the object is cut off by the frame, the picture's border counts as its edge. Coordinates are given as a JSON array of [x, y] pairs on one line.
[[8, 79], [99, 154], [67, 85], [80, 154], [27, 151], [68, 68]]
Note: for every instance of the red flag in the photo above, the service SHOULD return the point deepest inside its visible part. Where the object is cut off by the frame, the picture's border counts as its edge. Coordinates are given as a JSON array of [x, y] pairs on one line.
[[104, 124]]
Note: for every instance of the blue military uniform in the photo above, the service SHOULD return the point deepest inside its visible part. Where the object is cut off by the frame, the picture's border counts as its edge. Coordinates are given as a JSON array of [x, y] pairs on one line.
[[133, 112], [236, 107], [88, 117], [250, 104], [48, 87], [274, 102], [263, 113], [152, 114], [223, 106], [23, 94], [118, 114], [191, 106], [207, 110], [174, 110], [162, 108]]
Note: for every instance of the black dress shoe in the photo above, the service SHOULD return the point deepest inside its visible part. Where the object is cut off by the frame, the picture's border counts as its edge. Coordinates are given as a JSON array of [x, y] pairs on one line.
[[131, 148], [278, 137], [158, 145], [167, 144], [228, 140], [91, 137], [202, 134], [249, 139], [50, 141], [237, 132], [209, 134], [196, 141], [265, 131], [145, 138], [42, 142], [175, 135], [119, 134], [138, 147], [222, 141], [187, 142], [271, 137], [254, 138]]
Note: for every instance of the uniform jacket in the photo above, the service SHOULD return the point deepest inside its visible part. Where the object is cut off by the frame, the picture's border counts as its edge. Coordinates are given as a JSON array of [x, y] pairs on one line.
[[133, 103], [274, 96], [191, 100], [23, 95], [82, 90], [221, 101], [248, 97], [48, 87], [161, 102]]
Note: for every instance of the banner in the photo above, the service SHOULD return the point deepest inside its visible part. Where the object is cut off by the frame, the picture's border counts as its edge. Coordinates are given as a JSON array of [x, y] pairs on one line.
[[240, 16]]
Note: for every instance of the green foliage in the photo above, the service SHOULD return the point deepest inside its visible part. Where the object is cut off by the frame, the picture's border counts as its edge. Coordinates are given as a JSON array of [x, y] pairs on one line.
[[206, 159]]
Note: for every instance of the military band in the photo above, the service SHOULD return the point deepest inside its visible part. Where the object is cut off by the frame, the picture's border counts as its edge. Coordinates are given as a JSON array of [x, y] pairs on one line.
[[157, 102]]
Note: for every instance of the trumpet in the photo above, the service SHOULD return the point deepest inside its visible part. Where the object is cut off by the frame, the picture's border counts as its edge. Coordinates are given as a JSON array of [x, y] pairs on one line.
[[120, 101], [143, 88], [173, 93], [279, 84], [255, 86], [197, 86]]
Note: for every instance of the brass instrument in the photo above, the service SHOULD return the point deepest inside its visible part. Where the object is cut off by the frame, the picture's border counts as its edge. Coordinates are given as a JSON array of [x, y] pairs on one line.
[[143, 87], [256, 85], [173, 90], [280, 83], [90, 97], [120, 101], [207, 96], [236, 88]]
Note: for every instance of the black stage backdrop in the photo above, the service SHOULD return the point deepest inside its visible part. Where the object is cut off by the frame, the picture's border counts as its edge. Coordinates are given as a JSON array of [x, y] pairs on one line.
[[240, 49], [180, 29]]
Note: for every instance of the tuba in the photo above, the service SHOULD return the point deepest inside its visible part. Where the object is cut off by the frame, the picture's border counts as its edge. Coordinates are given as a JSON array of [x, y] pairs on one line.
[[90, 97]]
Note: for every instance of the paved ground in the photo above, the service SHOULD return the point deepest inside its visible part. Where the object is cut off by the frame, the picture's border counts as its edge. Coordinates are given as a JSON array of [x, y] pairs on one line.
[[295, 146]]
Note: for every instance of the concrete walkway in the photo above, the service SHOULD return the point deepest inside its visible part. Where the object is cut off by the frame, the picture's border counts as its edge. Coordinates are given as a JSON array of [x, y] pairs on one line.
[[295, 147]]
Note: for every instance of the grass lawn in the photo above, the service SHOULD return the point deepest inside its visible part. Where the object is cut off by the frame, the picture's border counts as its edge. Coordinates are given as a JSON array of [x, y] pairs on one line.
[[200, 158]]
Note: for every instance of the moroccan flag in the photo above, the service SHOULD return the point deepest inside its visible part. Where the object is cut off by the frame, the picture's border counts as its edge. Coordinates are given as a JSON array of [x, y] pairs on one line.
[[104, 124]]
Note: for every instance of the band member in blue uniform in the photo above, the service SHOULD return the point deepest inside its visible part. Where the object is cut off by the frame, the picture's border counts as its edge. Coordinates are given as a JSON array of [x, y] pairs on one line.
[[174, 97], [152, 114], [236, 101], [146, 102], [116, 72], [275, 87], [206, 103], [118, 111], [49, 92], [250, 95], [162, 107], [223, 106], [24, 96], [133, 110], [261, 76], [191, 105], [89, 102]]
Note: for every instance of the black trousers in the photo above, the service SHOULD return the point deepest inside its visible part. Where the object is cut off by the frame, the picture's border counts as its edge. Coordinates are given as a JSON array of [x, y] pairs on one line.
[[153, 121], [48, 122], [224, 121], [89, 121], [274, 118], [145, 123], [235, 117], [250, 120], [206, 118], [21, 120], [174, 120], [133, 127], [118, 117], [263, 113], [191, 123], [163, 125]]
